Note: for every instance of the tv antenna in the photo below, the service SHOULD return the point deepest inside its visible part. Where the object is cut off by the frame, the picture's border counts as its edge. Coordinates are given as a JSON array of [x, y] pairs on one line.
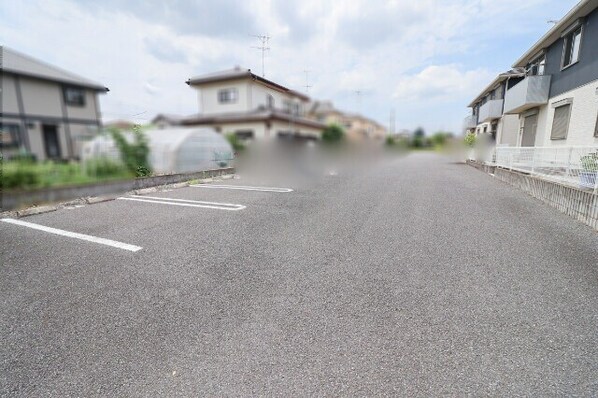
[[264, 39], [307, 85]]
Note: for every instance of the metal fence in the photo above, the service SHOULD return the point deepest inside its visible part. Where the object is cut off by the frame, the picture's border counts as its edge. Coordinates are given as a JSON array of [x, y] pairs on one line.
[[572, 166]]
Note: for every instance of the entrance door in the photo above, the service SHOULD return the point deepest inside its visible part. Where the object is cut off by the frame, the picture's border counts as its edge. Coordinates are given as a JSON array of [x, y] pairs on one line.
[[530, 124], [51, 143]]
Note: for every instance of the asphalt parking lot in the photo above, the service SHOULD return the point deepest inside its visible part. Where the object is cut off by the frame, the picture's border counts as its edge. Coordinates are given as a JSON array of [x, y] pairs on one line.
[[411, 276]]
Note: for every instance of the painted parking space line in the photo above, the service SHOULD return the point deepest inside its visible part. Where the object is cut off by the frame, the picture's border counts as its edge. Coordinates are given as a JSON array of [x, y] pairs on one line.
[[184, 202], [75, 235], [243, 188]]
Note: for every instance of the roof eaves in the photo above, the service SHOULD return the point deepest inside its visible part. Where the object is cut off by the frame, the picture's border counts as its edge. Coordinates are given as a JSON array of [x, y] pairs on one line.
[[580, 10]]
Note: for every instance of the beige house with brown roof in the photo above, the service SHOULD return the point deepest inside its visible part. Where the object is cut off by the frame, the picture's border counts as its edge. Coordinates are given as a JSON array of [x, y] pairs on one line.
[[46, 111], [356, 126], [241, 102]]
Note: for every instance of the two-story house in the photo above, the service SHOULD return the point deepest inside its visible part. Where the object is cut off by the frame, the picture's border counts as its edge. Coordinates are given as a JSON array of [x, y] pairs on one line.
[[356, 126], [487, 110], [554, 101], [241, 102], [46, 111]]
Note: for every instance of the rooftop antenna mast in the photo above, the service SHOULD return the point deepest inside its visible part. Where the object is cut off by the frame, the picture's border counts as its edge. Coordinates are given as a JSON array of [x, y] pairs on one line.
[[358, 93], [307, 85], [264, 39]]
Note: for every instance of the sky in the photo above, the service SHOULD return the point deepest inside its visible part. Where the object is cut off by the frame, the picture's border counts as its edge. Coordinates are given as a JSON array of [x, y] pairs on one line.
[[422, 61]]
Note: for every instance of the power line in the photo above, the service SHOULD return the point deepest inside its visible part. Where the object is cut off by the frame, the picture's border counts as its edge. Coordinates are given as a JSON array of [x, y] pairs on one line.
[[264, 39]]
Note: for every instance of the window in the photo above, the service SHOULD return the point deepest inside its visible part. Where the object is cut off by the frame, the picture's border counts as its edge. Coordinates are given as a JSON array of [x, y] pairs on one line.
[[596, 128], [10, 135], [244, 134], [270, 101], [228, 95], [560, 123], [74, 96], [571, 46], [537, 66]]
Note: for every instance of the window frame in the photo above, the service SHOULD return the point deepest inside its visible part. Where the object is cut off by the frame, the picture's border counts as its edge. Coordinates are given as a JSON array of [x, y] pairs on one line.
[[566, 39], [16, 136], [567, 104], [223, 98], [596, 127], [68, 101]]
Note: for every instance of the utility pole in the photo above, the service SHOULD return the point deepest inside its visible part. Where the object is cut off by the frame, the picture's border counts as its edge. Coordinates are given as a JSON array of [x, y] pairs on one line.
[[391, 124], [264, 39], [307, 85]]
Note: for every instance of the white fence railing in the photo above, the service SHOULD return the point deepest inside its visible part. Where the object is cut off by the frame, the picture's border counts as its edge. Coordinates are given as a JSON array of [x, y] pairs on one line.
[[573, 166]]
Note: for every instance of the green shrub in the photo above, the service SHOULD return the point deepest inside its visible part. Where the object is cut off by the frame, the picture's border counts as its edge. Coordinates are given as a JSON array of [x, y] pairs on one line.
[[235, 142], [19, 175], [135, 156], [103, 167], [389, 141], [469, 139], [333, 134], [589, 162]]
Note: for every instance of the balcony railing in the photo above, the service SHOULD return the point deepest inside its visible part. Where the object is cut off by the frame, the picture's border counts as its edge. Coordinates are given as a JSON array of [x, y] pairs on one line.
[[469, 122], [491, 110], [528, 93]]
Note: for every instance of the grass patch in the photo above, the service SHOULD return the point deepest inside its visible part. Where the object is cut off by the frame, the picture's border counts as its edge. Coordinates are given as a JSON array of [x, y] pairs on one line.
[[29, 175]]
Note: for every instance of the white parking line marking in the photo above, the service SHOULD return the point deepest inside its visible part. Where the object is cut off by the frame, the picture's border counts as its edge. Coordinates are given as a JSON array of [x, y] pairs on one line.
[[176, 202], [74, 235], [243, 188], [185, 200]]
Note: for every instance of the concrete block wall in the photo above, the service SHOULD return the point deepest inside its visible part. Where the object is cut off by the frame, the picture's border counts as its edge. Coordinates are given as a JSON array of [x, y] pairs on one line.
[[579, 204]]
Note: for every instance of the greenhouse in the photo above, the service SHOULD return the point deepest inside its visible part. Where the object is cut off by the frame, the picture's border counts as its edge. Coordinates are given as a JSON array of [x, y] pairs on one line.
[[176, 150]]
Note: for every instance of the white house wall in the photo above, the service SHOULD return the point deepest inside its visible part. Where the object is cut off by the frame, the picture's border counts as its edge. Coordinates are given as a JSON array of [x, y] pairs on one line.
[[582, 123], [208, 97]]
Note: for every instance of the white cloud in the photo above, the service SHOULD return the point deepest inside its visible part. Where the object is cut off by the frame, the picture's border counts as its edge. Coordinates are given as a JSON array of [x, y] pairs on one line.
[[144, 54], [441, 82]]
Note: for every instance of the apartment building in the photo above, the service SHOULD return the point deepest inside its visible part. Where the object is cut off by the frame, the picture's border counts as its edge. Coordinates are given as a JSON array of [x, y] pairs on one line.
[[555, 100], [357, 127], [46, 111], [241, 102], [487, 110]]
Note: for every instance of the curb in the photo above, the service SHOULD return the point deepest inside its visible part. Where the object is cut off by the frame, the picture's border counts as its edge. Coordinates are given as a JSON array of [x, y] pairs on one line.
[[99, 199], [106, 198], [36, 210]]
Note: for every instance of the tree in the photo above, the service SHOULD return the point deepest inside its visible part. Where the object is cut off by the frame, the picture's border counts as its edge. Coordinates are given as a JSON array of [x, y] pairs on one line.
[[333, 134], [439, 138]]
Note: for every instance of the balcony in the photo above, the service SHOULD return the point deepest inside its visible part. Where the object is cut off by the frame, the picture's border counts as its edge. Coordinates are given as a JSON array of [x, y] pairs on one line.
[[528, 93], [469, 122], [491, 110]]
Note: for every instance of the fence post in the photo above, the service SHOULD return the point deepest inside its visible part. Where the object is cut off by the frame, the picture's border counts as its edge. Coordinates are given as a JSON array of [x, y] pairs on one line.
[[569, 162]]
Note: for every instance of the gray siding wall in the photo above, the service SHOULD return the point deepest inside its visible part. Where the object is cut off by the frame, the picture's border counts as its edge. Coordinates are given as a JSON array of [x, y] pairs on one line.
[[585, 70]]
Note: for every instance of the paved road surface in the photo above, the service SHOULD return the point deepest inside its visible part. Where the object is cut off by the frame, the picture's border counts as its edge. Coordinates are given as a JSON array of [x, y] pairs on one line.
[[415, 276]]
